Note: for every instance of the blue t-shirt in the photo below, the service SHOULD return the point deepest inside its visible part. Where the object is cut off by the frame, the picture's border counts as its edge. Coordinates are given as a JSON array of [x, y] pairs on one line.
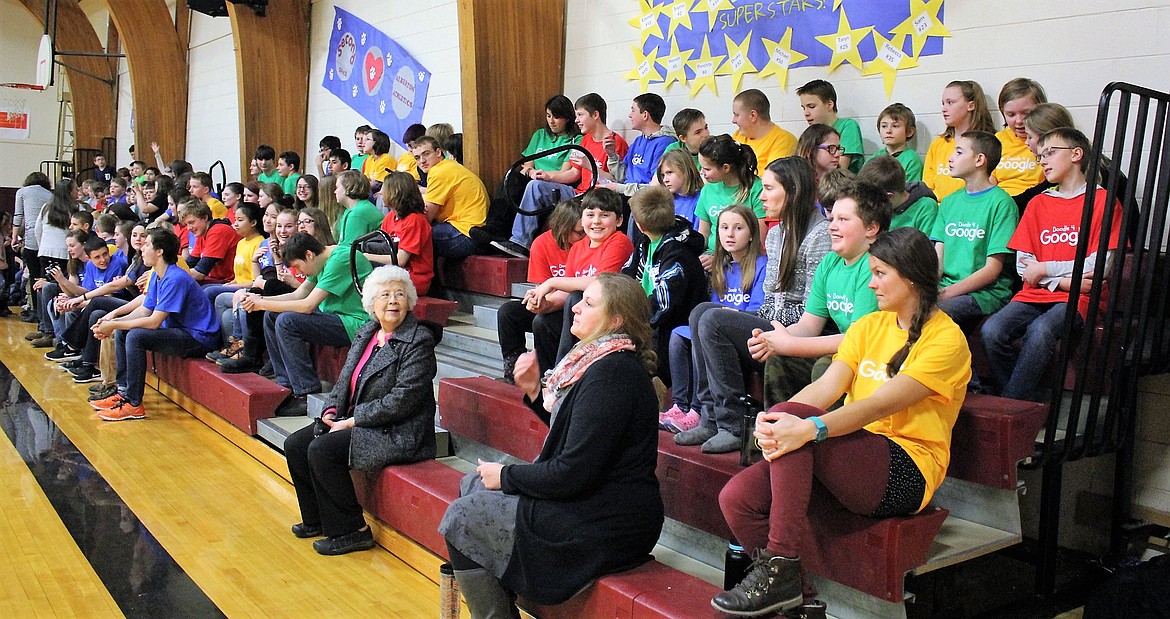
[[178, 294], [684, 206], [737, 297], [642, 158], [93, 278]]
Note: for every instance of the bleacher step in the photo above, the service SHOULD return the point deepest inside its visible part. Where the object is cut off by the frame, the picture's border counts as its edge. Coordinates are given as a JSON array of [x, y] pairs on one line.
[[520, 288], [471, 339], [464, 365], [961, 540], [468, 300], [486, 316], [275, 429]]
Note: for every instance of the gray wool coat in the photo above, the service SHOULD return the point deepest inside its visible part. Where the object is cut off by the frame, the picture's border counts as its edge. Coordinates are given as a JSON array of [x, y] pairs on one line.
[[393, 404]]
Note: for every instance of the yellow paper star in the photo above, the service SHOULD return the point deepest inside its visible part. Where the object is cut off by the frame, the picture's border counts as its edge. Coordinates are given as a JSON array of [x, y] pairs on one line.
[[675, 64], [738, 64], [922, 23], [712, 9], [645, 68], [705, 68], [837, 4], [844, 43], [781, 57], [679, 14], [889, 60], [647, 21]]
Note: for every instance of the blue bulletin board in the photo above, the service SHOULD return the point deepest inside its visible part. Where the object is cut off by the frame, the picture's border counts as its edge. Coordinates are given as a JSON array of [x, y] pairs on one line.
[[691, 42]]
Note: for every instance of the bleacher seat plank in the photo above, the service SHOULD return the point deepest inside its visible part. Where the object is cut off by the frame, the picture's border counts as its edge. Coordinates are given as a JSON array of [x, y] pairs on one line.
[[492, 275], [492, 413], [991, 436], [241, 399]]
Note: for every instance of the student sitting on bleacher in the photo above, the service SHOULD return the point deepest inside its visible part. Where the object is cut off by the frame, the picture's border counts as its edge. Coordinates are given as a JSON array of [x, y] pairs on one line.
[[589, 505], [407, 224], [456, 199], [174, 318], [213, 256], [904, 371], [360, 216], [326, 309], [550, 252], [381, 412]]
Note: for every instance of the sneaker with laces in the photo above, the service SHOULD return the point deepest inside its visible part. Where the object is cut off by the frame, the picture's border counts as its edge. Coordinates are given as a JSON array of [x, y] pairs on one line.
[[113, 401], [772, 584], [87, 374], [123, 412], [235, 345], [674, 412], [44, 341], [101, 392], [33, 335], [70, 366], [63, 353], [682, 423], [511, 248]]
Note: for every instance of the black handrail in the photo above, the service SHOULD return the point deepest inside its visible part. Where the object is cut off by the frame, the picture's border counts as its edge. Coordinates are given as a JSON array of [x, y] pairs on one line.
[[515, 169], [222, 176]]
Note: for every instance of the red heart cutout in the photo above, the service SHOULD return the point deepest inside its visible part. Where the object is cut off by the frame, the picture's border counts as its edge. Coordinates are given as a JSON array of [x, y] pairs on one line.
[[374, 67]]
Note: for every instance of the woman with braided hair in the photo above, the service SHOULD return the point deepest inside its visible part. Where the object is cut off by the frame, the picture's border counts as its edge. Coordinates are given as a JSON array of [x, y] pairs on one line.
[[904, 371]]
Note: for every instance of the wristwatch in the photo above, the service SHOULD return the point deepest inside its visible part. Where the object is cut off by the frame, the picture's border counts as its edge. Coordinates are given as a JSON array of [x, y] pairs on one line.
[[822, 429]]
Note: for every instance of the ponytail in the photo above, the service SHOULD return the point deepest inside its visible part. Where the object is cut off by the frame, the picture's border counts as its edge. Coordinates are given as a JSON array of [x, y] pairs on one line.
[[912, 255], [745, 171]]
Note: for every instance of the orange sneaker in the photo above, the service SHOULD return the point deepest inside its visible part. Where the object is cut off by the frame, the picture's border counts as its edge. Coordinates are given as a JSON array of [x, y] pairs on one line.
[[113, 401], [123, 412]]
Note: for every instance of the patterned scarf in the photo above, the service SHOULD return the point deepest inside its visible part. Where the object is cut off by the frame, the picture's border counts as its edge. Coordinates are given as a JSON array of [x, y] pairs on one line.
[[560, 379]]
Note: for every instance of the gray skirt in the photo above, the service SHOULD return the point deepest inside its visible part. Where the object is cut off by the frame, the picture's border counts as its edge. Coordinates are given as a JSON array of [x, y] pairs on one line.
[[481, 524]]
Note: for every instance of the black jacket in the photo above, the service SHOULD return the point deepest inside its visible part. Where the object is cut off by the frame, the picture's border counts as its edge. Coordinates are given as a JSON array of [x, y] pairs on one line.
[[679, 280]]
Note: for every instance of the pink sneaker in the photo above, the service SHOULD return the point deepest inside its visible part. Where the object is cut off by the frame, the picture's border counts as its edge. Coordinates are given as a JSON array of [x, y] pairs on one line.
[[689, 421], [674, 413]]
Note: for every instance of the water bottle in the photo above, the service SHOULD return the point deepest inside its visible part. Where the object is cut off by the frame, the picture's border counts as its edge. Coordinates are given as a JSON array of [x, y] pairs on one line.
[[747, 448], [736, 562]]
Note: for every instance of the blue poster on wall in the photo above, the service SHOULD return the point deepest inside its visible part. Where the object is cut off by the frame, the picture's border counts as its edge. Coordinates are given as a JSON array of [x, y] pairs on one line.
[[374, 75]]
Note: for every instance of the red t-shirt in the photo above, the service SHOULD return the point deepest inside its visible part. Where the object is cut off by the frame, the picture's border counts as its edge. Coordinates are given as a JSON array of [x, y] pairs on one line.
[[1049, 229], [609, 257], [218, 242], [597, 149], [413, 234], [545, 259]]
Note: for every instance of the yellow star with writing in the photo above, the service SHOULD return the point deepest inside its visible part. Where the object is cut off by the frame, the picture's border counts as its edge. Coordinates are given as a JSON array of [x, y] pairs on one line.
[[705, 68], [922, 23], [679, 14], [889, 60], [645, 68], [675, 64], [781, 57], [712, 9], [738, 64], [844, 43], [647, 21]]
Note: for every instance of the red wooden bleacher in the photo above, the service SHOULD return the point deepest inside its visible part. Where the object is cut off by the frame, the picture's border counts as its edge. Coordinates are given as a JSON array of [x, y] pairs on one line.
[[241, 399], [492, 275]]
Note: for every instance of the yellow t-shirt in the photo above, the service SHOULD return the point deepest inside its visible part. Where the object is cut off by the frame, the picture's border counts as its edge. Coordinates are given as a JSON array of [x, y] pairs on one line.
[[243, 263], [407, 163], [940, 360], [936, 172], [775, 144], [182, 264], [462, 198], [376, 168], [1017, 170], [218, 210]]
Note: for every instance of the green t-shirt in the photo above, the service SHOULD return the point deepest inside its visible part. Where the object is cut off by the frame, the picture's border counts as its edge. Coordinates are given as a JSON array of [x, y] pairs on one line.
[[541, 140], [717, 196], [971, 227], [647, 279], [363, 218], [677, 145], [289, 183], [851, 142], [910, 161], [920, 214], [356, 161], [344, 300], [840, 291], [270, 177]]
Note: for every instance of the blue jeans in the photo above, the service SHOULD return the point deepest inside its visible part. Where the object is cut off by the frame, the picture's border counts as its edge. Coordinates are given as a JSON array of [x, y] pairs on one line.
[[131, 346], [288, 335], [1038, 326], [682, 370], [450, 242], [963, 310], [524, 227]]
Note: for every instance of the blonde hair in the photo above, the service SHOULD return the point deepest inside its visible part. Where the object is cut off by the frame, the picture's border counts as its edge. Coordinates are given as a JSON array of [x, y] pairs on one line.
[[683, 165]]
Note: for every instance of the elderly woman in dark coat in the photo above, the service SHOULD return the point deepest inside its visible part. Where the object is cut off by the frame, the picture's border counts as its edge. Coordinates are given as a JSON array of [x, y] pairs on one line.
[[589, 505], [381, 411]]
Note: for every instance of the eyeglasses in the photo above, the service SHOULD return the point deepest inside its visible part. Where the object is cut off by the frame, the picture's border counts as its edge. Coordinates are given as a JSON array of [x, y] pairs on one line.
[[386, 295], [832, 149], [305, 222], [1047, 153]]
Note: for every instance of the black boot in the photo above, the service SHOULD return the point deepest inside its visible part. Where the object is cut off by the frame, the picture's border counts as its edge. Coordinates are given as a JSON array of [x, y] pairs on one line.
[[772, 584], [486, 598]]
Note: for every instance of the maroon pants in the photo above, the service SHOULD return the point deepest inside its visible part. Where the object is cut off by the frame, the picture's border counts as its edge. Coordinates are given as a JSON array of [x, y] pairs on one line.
[[766, 505]]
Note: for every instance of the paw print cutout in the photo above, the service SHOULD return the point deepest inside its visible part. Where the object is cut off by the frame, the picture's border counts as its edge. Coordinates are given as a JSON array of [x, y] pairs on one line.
[[382, 106], [363, 38], [354, 91]]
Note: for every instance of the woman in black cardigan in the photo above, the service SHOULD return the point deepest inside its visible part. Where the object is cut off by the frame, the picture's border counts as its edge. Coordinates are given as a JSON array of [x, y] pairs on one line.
[[589, 505], [381, 411]]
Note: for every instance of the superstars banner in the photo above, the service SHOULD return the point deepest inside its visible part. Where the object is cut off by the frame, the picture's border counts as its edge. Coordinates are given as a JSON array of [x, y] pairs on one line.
[[374, 75], [694, 41]]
